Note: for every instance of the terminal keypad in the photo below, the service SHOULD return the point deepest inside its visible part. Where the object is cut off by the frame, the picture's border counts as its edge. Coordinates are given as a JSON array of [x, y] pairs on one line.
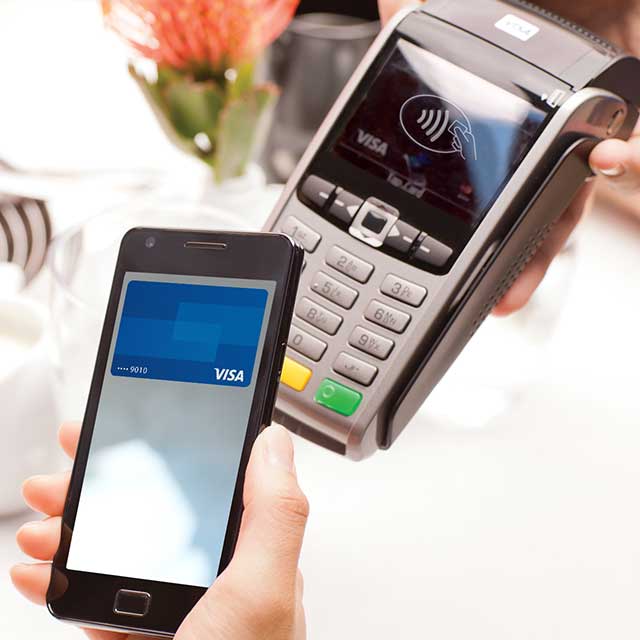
[[323, 308]]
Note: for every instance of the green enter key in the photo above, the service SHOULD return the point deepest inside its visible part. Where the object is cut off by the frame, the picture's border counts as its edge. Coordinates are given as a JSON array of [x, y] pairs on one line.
[[338, 397]]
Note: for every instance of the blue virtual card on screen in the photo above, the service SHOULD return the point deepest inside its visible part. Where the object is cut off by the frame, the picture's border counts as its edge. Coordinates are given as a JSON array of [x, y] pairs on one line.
[[189, 333]]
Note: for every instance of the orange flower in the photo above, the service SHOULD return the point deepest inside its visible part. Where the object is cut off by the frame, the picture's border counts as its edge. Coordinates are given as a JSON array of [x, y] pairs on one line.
[[187, 33]]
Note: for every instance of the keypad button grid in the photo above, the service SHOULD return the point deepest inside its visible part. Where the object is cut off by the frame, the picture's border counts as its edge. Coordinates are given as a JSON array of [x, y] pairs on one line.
[[364, 340]]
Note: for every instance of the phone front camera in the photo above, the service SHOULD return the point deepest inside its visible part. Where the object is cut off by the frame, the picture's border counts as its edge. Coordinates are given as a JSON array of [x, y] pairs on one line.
[[150, 242]]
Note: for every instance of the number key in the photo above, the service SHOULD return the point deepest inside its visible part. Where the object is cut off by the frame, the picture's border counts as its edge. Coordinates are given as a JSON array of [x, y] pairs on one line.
[[300, 232], [306, 344], [386, 316], [371, 343], [318, 316], [349, 264], [403, 290], [331, 289]]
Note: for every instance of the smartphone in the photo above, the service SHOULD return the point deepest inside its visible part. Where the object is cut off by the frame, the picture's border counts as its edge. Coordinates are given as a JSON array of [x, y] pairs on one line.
[[186, 377]]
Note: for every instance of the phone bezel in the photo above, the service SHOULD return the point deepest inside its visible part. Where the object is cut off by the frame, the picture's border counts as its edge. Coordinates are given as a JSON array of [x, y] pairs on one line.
[[88, 598]]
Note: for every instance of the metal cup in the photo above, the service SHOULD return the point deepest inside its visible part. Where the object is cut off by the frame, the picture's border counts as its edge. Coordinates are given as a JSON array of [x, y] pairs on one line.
[[312, 62]]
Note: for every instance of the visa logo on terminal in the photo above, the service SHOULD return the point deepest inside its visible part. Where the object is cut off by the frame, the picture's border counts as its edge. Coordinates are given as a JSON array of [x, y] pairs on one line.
[[517, 27], [370, 141], [178, 332]]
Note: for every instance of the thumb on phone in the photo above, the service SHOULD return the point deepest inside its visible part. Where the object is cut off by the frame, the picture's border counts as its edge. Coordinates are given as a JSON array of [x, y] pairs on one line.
[[276, 510], [259, 595]]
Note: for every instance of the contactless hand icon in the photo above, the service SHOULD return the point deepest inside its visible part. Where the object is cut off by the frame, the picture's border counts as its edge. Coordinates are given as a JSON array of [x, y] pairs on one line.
[[464, 141], [438, 125]]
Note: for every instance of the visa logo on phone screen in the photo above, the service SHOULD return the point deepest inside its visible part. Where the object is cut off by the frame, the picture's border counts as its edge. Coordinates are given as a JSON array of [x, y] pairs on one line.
[[189, 333]]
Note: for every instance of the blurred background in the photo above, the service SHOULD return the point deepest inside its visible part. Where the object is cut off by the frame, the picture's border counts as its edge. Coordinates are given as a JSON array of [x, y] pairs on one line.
[[506, 508]]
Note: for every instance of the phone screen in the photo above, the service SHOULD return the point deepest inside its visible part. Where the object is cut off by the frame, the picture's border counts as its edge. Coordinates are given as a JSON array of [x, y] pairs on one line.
[[170, 427]]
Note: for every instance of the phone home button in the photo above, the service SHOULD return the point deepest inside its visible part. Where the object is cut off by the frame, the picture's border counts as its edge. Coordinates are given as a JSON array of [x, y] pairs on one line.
[[132, 603]]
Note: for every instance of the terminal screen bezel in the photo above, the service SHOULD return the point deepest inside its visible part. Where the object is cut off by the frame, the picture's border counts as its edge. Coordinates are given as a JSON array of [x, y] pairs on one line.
[[470, 53]]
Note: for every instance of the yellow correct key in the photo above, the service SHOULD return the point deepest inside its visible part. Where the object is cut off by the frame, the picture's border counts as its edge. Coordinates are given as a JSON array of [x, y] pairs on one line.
[[294, 374]]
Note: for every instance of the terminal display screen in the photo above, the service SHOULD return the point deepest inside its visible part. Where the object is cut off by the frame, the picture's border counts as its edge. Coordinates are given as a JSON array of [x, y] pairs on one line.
[[439, 132]]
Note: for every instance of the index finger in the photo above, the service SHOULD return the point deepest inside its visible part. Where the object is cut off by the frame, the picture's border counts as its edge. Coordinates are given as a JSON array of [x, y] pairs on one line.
[[619, 162], [387, 8], [68, 436]]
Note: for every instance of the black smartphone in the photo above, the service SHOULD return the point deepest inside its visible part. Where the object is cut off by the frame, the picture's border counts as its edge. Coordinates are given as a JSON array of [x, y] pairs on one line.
[[186, 377]]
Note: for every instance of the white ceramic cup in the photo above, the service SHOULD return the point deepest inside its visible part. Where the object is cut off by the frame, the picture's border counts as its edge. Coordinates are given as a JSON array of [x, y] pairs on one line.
[[28, 414]]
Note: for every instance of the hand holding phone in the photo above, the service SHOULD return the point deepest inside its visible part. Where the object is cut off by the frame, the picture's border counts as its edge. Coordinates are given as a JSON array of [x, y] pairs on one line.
[[186, 377], [259, 593]]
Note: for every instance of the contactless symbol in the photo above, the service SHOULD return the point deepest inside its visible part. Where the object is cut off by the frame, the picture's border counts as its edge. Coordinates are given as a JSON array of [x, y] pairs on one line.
[[433, 131], [438, 125]]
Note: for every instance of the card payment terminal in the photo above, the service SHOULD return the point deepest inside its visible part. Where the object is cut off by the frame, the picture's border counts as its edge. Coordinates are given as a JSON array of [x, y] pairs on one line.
[[460, 139]]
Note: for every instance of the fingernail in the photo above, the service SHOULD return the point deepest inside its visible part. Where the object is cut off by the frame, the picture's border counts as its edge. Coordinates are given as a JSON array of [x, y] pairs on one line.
[[279, 447], [29, 525], [612, 172]]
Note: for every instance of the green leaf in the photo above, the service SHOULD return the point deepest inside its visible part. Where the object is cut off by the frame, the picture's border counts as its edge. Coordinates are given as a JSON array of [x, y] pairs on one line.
[[193, 107], [168, 75], [153, 94], [243, 82], [242, 127], [235, 116]]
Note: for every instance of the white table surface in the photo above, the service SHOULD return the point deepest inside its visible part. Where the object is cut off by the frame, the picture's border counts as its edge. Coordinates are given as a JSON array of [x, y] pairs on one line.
[[526, 529]]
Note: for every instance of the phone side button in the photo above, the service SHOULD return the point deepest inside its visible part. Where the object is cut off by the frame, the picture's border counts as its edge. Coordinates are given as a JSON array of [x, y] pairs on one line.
[[295, 375], [132, 603], [272, 393]]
